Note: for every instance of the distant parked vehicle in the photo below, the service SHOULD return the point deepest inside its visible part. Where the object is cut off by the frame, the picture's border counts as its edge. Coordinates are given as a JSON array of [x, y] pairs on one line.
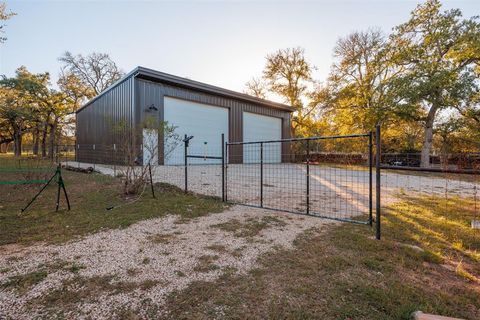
[[403, 160]]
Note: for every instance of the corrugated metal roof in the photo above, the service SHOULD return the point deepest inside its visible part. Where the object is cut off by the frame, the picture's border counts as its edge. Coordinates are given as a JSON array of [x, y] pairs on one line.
[[158, 76]]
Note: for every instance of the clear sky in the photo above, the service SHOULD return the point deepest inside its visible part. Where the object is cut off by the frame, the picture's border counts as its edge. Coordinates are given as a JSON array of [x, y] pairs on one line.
[[223, 43]]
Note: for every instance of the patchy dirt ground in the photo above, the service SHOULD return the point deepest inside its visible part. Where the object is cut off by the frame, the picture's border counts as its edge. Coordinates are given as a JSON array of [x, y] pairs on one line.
[[105, 273]]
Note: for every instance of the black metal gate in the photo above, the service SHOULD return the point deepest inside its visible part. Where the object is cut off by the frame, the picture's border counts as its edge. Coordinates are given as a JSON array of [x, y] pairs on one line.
[[327, 177], [209, 170]]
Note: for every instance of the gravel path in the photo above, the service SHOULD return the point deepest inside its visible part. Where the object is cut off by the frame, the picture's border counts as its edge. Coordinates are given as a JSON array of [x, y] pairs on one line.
[[159, 256]]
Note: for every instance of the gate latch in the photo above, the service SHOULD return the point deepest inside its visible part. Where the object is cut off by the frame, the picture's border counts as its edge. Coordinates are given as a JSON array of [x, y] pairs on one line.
[[187, 140]]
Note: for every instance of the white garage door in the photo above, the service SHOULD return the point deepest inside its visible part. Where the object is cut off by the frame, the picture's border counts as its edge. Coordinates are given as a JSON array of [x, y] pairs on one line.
[[260, 128], [204, 122]]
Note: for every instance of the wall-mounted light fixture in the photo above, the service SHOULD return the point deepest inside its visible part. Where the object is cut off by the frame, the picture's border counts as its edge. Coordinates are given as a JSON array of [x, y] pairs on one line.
[[152, 108]]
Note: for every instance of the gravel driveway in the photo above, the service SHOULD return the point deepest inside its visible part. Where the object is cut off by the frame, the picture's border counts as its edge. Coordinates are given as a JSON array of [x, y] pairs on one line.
[[141, 264]]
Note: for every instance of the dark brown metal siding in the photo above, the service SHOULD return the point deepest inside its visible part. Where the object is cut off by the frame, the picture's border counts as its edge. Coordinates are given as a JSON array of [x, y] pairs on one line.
[[127, 104], [149, 93], [104, 122]]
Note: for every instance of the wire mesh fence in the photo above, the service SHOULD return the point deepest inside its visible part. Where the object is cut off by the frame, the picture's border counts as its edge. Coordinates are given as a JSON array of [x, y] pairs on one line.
[[447, 176], [302, 176], [441, 188], [204, 173], [436, 184], [467, 162], [29, 176], [25, 170], [55, 154], [64, 153], [330, 177], [312, 176]]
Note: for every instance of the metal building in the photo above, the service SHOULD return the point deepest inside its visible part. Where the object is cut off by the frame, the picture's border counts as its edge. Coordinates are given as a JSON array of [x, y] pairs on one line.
[[194, 108]]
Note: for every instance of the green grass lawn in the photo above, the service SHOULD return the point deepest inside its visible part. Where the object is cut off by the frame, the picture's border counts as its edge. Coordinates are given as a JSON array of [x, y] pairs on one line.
[[90, 196], [428, 259]]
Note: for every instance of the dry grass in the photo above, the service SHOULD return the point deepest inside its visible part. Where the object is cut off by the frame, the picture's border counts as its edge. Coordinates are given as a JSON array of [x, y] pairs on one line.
[[346, 274], [90, 196], [218, 248], [22, 283], [251, 227], [88, 290], [206, 263], [162, 238], [429, 260]]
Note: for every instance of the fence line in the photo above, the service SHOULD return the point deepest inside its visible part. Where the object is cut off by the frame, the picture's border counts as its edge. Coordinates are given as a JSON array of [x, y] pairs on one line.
[[317, 176], [329, 164]]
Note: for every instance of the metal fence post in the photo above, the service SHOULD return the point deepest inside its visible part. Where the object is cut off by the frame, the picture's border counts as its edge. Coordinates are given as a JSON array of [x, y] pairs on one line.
[[94, 156], [67, 153], [475, 202], [226, 171], [114, 160], [370, 178], [261, 174], [151, 179], [186, 163], [223, 167], [308, 176], [377, 172]]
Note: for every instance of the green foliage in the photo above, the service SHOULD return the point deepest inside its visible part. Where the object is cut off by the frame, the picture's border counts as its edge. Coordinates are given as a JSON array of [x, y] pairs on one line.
[[407, 81], [23, 282], [439, 51], [31, 109], [27, 104], [360, 81], [287, 74], [73, 88]]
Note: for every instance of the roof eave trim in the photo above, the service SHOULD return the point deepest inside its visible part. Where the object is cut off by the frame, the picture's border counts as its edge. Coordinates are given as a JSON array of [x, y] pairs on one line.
[[133, 73], [164, 77], [187, 83]]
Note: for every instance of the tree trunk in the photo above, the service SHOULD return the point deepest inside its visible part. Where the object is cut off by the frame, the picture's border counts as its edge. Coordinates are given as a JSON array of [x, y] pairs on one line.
[[44, 140], [428, 137], [17, 142], [4, 145], [36, 133], [51, 144]]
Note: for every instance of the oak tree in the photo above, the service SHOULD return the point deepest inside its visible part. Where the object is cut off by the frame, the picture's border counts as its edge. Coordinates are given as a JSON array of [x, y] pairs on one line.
[[96, 71], [440, 51]]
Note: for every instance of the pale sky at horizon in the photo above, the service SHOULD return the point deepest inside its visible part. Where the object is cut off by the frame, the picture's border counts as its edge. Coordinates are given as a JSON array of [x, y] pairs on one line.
[[222, 43]]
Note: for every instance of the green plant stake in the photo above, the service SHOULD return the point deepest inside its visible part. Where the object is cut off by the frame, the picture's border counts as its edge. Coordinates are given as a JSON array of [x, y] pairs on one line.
[[60, 183]]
